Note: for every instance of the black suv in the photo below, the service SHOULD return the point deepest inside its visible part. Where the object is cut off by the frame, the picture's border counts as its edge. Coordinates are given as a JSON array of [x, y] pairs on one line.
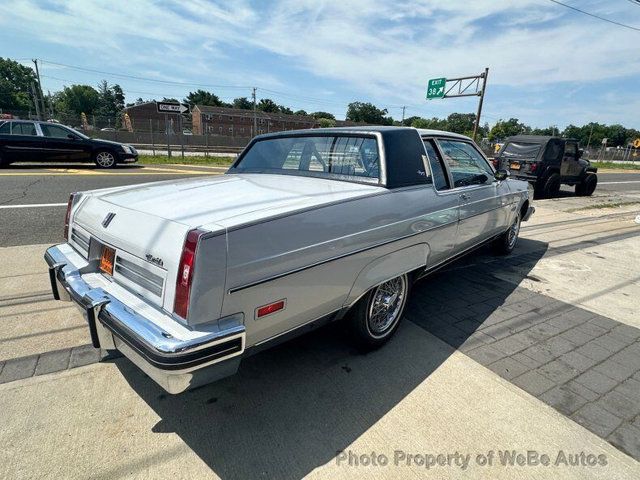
[[28, 141], [546, 163]]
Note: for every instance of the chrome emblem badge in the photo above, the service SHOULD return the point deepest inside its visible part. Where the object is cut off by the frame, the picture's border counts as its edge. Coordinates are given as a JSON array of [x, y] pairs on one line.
[[107, 219]]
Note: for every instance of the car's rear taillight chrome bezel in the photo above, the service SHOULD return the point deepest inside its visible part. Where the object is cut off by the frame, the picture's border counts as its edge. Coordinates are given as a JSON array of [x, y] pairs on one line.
[[73, 199], [184, 278]]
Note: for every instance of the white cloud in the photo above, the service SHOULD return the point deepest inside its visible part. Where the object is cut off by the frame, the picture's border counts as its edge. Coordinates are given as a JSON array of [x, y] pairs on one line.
[[383, 49]]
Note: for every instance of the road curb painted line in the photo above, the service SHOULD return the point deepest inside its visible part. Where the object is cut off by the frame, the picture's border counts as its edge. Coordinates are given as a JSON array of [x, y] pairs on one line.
[[33, 205]]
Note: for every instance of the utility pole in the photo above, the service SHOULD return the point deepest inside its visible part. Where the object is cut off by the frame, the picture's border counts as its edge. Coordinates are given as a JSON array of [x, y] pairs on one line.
[[403, 109], [36, 102], [255, 118], [484, 87], [43, 109], [590, 133]]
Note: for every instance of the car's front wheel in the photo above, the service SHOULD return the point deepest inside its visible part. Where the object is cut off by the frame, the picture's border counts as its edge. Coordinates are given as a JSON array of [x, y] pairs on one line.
[[105, 159], [505, 243], [376, 316]]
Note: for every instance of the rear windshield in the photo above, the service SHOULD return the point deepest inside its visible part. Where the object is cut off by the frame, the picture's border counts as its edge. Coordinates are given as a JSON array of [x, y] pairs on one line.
[[521, 150], [342, 157]]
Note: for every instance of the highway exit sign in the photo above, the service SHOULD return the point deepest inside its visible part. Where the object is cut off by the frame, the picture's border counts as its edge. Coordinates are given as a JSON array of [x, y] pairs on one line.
[[435, 88]]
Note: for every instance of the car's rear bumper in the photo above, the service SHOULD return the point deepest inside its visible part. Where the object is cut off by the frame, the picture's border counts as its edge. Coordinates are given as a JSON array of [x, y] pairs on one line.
[[177, 361]]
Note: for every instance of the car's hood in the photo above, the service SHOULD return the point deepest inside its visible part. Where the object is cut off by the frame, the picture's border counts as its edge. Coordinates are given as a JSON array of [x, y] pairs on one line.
[[105, 142], [232, 199]]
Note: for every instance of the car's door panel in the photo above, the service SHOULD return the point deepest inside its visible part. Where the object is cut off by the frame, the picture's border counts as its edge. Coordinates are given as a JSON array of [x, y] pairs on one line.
[[483, 201], [24, 144], [64, 145], [570, 168]]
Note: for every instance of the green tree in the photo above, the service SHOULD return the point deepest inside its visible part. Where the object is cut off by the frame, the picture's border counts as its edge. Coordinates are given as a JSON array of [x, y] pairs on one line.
[[507, 128], [326, 122], [285, 110], [368, 113], [461, 122], [301, 112], [243, 103], [202, 97], [77, 99], [268, 105], [322, 115], [15, 85]]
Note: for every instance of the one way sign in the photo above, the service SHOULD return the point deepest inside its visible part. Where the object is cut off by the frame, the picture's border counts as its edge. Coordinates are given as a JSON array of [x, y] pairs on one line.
[[176, 108]]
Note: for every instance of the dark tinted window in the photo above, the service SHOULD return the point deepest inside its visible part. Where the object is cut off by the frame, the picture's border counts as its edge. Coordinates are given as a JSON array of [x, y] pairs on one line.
[[20, 128], [5, 128], [521, 150], [435, 165], [54, 131]]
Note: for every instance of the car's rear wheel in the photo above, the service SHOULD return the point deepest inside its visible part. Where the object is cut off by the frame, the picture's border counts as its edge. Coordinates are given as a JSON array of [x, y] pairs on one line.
[[587, 186], [549, 187], [376, 316], [505, 243], [105, 159]]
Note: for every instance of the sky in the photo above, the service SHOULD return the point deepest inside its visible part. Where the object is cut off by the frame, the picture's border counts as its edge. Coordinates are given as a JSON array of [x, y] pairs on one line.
[[548, 65]]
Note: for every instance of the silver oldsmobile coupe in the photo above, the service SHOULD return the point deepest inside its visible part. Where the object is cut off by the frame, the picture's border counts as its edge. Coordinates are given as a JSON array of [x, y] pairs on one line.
[[186, 277]]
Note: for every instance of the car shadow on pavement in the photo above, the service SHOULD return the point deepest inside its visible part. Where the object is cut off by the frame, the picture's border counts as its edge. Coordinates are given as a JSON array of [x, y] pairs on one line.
[[290, 409]]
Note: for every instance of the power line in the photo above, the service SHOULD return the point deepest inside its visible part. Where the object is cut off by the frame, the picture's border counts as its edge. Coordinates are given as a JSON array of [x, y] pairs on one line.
[[144, 79], [597, 16]]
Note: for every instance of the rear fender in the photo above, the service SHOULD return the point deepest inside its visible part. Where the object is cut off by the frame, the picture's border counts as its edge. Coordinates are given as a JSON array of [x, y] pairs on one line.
[[387, 267]]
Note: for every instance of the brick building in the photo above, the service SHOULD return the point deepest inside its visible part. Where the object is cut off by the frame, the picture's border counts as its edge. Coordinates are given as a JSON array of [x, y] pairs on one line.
[[145, 118], [234, 122]]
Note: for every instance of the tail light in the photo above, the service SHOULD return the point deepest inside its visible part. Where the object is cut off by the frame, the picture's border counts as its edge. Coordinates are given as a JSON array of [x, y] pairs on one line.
[[496, 163], [185, 273], [533, 167], [73, 198]]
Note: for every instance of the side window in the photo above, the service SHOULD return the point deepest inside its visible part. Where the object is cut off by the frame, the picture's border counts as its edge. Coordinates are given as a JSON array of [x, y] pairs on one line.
[[467, 165], [54, 131], [439, 177], [5, 128], [571, 150], [24, 129]]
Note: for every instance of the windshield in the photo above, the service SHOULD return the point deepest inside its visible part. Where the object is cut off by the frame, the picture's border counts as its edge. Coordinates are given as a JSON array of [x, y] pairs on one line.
[[519, 150], [343, 157]]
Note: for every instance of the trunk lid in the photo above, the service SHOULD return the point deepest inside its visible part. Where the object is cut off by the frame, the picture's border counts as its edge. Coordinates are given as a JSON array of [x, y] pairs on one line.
[[225, 201]]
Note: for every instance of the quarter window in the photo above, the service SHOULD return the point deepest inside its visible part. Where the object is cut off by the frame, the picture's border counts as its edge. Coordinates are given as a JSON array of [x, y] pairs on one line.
[[5, 128], [435, 165], [467, 165]]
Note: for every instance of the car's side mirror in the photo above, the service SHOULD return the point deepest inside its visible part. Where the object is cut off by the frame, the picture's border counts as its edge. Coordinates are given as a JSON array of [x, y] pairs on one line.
[[501, 174]]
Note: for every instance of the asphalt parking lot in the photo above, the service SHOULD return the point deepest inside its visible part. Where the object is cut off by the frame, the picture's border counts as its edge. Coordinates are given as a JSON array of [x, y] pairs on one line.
[[538, 351]]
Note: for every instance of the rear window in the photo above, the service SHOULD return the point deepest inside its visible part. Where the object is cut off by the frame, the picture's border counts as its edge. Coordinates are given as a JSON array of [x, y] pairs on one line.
[[331, 156], [518, 150]]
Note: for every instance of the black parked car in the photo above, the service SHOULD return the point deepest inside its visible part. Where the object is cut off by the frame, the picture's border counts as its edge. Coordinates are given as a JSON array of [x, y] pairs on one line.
[[546, 163], [28, 141]]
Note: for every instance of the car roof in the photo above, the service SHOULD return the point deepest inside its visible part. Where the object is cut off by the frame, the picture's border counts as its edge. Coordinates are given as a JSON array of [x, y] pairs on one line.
[[384, 129], [535, 138]]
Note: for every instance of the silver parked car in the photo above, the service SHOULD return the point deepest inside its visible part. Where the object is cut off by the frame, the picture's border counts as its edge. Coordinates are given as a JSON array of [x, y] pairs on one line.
[[186, 277]]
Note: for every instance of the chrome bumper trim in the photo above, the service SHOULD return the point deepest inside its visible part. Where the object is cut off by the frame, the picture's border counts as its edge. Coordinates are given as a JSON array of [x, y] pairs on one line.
[[158, 348]]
